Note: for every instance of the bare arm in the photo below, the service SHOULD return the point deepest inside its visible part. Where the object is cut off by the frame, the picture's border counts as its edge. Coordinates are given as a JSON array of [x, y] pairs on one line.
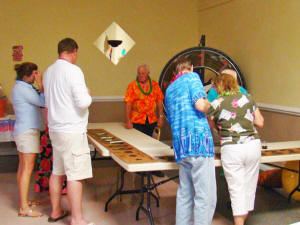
[[258, 119], [128, 112], [202, 105], [160, 110], [211, 123]]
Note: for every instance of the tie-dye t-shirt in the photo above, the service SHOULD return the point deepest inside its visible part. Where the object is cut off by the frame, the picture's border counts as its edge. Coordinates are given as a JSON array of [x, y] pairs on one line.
[[234, 116], [190, 130]]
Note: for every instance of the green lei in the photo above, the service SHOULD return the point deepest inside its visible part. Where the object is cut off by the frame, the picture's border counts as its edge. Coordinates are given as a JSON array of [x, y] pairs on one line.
[[227, 93], [150, 89]]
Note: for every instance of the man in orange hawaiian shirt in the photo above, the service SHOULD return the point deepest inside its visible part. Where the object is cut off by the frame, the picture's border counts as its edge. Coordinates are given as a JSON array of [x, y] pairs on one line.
[[143, 101]]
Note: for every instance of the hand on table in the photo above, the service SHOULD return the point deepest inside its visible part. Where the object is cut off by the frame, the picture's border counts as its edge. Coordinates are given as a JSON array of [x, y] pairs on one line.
[[129, 125]]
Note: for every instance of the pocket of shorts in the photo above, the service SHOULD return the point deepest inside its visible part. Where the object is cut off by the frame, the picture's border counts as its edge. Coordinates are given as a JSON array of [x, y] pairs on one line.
[[81, 159], [80, 152]]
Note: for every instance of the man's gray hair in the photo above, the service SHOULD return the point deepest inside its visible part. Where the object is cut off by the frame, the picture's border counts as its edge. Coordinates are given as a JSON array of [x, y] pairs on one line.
[[144, 65], [230, 72]]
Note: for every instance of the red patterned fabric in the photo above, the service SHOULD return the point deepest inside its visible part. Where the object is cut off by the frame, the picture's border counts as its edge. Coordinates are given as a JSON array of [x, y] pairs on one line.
[[143, 106]]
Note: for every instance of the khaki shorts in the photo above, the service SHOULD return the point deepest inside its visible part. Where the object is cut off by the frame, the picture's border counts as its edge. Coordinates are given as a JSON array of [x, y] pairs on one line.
[[71, 155], [28, 141]]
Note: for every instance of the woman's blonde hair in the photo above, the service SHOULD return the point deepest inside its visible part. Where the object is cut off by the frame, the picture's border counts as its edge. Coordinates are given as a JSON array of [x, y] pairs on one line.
[[226, 83]]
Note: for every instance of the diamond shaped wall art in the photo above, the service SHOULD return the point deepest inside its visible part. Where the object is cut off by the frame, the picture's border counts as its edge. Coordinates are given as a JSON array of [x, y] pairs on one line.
[[114, 43]]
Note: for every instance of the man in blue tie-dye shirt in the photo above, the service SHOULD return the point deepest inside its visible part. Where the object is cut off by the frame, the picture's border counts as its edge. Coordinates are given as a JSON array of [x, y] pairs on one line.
[[186, 105]]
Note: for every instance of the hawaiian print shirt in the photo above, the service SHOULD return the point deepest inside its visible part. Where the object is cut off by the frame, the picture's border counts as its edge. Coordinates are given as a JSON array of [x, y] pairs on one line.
[[143, 106], [190, 130], [234, 116]]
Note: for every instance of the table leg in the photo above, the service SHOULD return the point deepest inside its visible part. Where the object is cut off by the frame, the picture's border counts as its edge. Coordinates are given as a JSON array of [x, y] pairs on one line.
[[297, 188], [142, 197], [119, 190], [147, 210]]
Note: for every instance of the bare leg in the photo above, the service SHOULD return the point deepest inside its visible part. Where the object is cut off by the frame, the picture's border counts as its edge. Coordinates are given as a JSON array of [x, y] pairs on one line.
[[239, 220], [75, 198], [25, 168], [55, 186], [20, 166]]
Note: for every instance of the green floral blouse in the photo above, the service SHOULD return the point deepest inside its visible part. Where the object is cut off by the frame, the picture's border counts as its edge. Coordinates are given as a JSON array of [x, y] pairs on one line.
[[234, 117]]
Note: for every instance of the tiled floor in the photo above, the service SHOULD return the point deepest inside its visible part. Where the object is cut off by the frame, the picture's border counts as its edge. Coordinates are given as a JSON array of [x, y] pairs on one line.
[[96, 192], [270, 208]]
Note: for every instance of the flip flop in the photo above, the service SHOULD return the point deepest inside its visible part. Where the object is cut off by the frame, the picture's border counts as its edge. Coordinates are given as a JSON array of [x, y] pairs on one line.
[[53, 220], [29, 213]]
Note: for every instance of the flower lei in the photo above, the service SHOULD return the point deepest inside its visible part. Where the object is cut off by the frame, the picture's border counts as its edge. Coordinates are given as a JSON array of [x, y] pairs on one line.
[[150, 89], [227, 93], [177, 76]]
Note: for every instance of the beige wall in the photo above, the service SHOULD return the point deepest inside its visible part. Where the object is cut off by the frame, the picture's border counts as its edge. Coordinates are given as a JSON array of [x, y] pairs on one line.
[[160, 28], [278, 126], [263, 39]]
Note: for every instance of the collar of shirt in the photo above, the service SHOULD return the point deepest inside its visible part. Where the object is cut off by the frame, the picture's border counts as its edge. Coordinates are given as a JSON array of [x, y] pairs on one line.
[[22, 82]]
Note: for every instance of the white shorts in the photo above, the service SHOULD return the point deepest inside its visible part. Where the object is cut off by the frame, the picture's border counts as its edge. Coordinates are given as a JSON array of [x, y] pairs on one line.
[[71, 155], [241, 167], [28, 141]]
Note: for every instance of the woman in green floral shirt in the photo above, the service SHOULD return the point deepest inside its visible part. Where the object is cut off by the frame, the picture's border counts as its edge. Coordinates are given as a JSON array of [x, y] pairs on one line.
[[235, 115]]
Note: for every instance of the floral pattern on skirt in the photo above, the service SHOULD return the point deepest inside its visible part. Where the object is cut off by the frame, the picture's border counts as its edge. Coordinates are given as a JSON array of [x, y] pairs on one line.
[[44, 162]]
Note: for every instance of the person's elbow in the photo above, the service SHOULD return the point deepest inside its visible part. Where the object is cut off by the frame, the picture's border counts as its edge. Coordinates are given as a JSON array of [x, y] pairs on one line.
[[84, 103], [259, 123], [202, 105], [258, 119]]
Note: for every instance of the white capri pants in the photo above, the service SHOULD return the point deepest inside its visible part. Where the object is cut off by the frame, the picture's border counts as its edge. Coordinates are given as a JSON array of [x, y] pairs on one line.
[[241, 167]]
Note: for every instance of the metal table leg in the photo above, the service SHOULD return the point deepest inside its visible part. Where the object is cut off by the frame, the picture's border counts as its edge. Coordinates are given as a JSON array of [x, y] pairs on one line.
[[143, 188], [119, 191], [147, 210], [297, 188]]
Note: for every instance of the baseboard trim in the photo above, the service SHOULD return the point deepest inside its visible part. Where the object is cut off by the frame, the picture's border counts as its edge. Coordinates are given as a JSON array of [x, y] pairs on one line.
[[263, 106], [108, 98], [279, 109]]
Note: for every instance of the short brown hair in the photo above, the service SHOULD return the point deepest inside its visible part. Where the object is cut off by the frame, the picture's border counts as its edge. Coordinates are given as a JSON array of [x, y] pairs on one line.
[[226, 83], [25, 69], [182, 64], [67, 45]]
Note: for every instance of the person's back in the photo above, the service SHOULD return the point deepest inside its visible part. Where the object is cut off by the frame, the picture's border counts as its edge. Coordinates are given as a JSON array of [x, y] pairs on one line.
[[193, 146], [67, 100], [181, 110], [235, 115], [66, 97], [23, 99]]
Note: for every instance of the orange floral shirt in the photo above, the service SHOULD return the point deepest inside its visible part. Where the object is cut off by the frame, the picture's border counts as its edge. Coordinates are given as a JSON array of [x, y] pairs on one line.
[[143, 106]]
